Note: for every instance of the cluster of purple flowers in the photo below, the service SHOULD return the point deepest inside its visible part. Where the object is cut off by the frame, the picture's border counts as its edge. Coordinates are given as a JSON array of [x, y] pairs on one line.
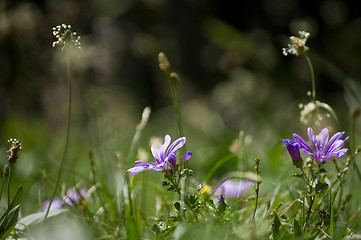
[[72, 196], [321, 148]]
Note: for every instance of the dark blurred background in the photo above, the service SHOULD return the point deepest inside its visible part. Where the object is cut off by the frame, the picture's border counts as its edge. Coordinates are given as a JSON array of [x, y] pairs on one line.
[[227, 53], [206, 41]]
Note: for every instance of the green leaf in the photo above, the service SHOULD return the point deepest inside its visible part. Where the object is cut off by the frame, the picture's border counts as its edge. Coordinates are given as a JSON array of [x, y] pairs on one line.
[[37, 218], [320, 186], [177, 206], [160, 227], [297, 231], [15, 201], [276, 227], [9, 222], [297, 175]]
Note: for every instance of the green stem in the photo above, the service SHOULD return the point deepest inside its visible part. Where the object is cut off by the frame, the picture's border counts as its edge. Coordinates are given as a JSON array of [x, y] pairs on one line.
[[175, 99], [330, 110], [256, 205], [312, 76], [67, 134], [8, 190]]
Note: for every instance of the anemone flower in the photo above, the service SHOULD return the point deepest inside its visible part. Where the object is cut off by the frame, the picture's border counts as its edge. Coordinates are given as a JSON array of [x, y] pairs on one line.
[[164, 156], [321, 147]]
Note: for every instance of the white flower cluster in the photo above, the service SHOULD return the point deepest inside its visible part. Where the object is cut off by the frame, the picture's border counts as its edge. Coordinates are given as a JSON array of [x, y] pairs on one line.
[[64, 35], [15, 142], [298, 44]]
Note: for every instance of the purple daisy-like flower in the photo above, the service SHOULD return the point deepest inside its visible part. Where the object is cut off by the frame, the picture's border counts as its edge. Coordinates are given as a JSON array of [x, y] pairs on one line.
[[164, 156], [232, 189], [321, 147]]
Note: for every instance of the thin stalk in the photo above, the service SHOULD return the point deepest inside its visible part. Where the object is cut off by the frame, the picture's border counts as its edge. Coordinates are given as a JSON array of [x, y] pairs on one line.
[[67, 133], [8, 190], [174, 92], [258, 172], [2, 183], [312, 76]]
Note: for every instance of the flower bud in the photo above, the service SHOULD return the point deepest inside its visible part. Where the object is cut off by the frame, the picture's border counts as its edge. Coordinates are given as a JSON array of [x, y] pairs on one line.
[[294, 151]]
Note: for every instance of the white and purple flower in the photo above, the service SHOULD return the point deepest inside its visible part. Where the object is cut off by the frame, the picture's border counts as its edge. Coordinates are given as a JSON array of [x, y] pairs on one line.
[[164, 156]]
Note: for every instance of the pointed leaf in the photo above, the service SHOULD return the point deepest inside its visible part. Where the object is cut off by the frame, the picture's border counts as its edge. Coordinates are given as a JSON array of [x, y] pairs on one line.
[[9, 222], [276, 227], [297, 231]]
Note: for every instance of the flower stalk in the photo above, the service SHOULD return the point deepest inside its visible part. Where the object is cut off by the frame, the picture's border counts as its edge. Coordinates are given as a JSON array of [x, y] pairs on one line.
[[67, 39], [62, 162]]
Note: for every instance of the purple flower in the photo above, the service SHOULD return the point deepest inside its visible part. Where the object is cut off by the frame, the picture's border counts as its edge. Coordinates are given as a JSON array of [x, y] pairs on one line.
[[72, 196], [294, 151], [233, 189], [55, 205], [164, 156], [221, 200], [321, 147]]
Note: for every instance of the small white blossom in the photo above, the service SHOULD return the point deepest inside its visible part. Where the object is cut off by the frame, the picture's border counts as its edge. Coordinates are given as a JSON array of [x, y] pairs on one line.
[[64, 35], [298, 44]]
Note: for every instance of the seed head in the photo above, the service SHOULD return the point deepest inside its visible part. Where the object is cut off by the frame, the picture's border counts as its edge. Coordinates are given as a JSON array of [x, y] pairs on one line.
[[13, 150], [65, 36]]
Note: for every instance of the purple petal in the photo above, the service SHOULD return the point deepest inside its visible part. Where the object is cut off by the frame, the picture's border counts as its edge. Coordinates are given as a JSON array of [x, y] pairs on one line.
[[335, 143], [55, 205], [311, 136], [321, 140], [293, 149], [147, 166], [172, 160], [176, 145], [233, 189], [338, 153], [221, 199], [186, 156], [159, 151], [317, 155], [72, 196], [302, 144]]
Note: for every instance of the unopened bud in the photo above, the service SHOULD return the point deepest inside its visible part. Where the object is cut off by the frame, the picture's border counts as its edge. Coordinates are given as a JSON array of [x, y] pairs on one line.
[[164, 64], [174, 78], [6, 170]]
